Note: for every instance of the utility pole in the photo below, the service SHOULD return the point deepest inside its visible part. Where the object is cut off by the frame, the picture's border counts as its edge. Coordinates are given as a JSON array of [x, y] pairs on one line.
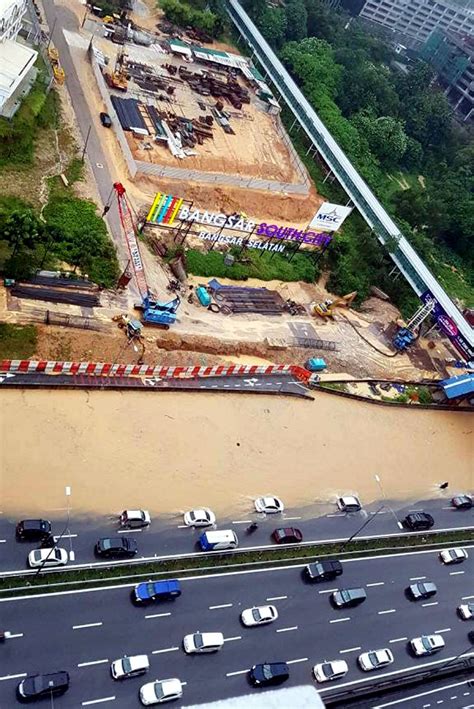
[[85, 144], [367, 521], [379, 483], [52, 32]]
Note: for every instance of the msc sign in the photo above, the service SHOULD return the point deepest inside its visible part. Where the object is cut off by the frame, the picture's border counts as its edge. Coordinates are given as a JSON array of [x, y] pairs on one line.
[[330, 216]]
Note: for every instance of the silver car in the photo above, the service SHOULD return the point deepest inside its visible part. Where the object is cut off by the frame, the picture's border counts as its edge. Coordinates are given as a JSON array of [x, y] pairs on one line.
[[161, 691], [47, 557], [258, 615], [132, 666], [329, 671], [203, 517], [375, 659]]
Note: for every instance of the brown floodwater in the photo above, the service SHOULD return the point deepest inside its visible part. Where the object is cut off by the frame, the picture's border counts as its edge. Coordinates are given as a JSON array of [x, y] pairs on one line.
[[170, 451]]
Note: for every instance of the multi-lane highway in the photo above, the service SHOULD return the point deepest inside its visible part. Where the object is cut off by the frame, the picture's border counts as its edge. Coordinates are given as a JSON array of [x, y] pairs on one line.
[[168, 536], [82, 632]]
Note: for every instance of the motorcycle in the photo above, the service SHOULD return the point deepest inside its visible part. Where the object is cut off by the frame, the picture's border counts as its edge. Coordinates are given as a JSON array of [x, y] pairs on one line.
[[252, 528]]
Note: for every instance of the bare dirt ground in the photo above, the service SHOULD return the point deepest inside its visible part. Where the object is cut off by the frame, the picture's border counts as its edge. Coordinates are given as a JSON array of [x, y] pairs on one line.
[[173, 451]]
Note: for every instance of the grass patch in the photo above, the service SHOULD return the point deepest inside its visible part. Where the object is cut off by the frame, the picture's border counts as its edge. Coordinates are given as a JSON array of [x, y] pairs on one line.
[[17, 341], [334, 386]]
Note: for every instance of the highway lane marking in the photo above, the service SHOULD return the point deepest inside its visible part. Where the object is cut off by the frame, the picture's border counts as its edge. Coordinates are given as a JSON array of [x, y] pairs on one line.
[[421, 694], [328, 590], [285, 630], [336, 514], [433, 603], [242, 521], [57, 537], [157, 615], [93, 662], [223, 605], [394, 672], [377, 583], [276, 598], [228, 640], [390, 610], [182, 526], [349, 649], [288, 518], [166, 649], [417, 578], [86, 625], [397, 640], [13, 635], [234, 674], [97, 701], [339, 620], [12, 676], [293, 662], [128, 531], [443, 630], [3, 541], [455, 573], [466, 598]]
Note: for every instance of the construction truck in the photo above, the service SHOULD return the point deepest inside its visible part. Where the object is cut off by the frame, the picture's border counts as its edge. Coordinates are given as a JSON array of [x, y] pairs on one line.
[[58, 71], [117, 79], [326, 309]]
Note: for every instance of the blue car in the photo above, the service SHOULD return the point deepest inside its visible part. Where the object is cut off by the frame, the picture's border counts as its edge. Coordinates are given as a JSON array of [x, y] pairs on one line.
[[151, 591]]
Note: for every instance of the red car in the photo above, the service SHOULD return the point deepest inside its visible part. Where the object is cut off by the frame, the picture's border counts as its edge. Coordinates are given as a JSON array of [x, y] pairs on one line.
[[287, 535]]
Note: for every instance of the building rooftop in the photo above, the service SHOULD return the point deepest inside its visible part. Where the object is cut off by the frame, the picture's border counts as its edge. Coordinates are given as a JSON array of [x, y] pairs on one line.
[[15, 58]]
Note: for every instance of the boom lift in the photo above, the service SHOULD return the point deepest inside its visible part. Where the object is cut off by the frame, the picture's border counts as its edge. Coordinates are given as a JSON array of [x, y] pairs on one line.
[[154, 311]]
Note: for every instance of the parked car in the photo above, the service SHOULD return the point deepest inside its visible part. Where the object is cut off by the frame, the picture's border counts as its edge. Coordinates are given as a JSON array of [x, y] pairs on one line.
[[427, 644], [135, 519], [462, 502], [33, 530], [425, 589], [269, 505], [466, 610], [375, 659], [151, 591], [203, 517], [418, 521], [161, 691], [329, 671], [349, 503], [324, 570], [348, 597], [116, 547], [47, 557], [202, 642], [287, 535], [453, 556], [105, 119], [132, 666], [42, 685], [269, 673], [258, 615]]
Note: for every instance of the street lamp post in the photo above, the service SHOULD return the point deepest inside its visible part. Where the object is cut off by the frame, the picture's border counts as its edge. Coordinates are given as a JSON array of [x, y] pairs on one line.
[[68, 491], [367, 521], [379, 483]]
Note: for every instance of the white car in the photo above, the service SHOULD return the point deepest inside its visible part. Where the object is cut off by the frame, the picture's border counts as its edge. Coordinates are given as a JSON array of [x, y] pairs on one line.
[[453, 556], [160, 691], [129, 666], [349, 503], [47, 557], [466, 611], [203, 517], [375, 659], [427, 644], [258, 615], [202, 642], [328, 671], [269, 505], [135, 519]]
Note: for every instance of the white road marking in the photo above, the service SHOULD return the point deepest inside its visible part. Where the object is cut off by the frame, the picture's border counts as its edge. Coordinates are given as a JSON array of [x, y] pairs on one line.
[[378, 583], [93, 662], [293, 662], [339, 620], [418, 578], [433, 603], [13, 635], [397, 640], [242, 521], [349, 649], [467, 598], [455, 573], [128, 531], [12, 676], [239, 672], [224, 605], [336, 514], [276, 598], [166, 649], [285, 630], [86, 625], [182, 526], [328, 590], [3, 541], [391, 610], [443, 630], [157, 615], [97, 701], [228, 640], [64, 536], [421, 694], [288, 518]]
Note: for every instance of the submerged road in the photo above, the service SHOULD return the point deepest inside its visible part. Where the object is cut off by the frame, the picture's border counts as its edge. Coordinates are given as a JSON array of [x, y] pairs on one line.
[[82, 632]]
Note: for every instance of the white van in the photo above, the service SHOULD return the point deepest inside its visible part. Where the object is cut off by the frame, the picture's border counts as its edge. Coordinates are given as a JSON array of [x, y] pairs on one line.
[[222, 539]]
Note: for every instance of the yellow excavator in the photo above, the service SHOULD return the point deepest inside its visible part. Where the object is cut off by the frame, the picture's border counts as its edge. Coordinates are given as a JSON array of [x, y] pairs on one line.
[[58, 71], [326, 309]]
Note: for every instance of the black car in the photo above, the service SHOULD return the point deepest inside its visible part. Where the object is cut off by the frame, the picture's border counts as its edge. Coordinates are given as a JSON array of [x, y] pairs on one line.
[[33, 530], [325, 570], [269, 673], [417, 591], [462, 502], [40, 686], [106, 120], [417, 521], [120, 547]]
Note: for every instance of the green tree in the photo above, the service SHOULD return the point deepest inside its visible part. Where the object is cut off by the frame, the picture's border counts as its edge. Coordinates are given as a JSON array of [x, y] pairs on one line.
[[21, 230], [272, 24], [296, 19], [385, 135]]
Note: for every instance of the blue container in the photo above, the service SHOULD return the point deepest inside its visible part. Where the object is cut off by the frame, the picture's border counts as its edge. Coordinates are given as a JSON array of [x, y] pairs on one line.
[[315, 364], [203, 296]]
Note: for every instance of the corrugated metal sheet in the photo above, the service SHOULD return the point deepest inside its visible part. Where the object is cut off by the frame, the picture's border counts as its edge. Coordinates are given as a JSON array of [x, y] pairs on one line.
[[458, 386], [156, 120], [129, 115]]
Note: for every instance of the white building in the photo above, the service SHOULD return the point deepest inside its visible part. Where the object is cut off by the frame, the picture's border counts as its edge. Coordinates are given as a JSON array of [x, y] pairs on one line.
[[16, 59]]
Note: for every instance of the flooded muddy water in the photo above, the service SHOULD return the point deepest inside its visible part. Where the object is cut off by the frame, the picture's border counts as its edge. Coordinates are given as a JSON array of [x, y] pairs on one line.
[[170, 451]]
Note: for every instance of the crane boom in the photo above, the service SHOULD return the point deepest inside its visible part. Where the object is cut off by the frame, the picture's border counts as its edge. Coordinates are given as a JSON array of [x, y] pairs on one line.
[[129, 229]]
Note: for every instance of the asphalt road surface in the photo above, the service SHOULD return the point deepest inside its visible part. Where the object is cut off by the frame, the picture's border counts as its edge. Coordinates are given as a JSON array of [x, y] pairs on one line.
[[82, 632], [446, 694]]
